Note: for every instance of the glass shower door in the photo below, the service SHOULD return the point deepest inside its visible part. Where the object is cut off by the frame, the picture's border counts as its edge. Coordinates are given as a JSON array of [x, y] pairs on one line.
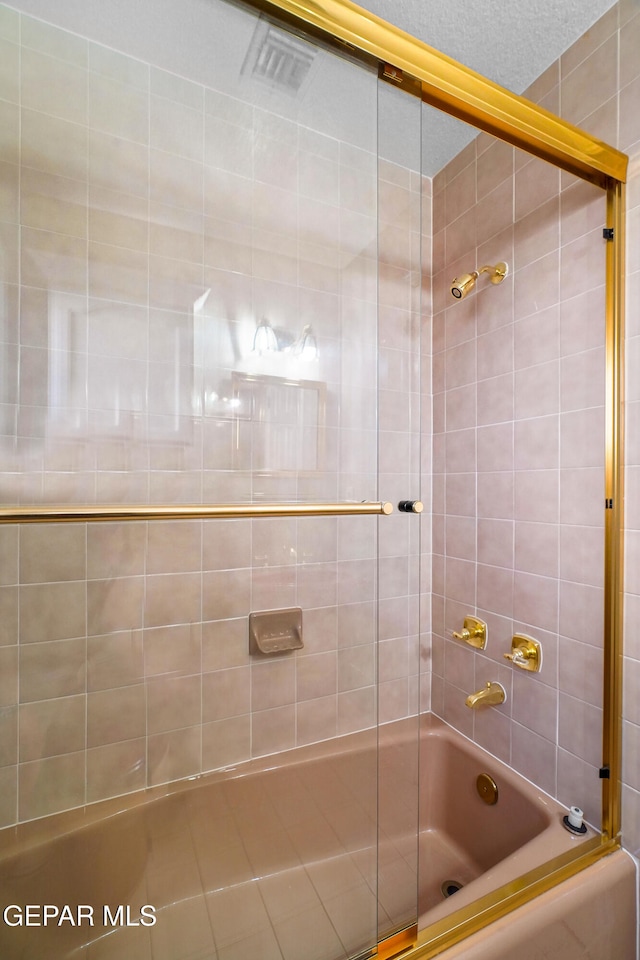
[[191, 236], [403, 225]]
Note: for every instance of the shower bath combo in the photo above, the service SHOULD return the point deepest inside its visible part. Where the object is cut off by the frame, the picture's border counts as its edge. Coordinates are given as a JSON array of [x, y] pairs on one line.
[[473, 802]]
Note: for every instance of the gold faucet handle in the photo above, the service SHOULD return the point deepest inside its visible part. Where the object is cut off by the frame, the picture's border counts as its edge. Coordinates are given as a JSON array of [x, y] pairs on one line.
[[517, 657], [526, 653], [474, 633]]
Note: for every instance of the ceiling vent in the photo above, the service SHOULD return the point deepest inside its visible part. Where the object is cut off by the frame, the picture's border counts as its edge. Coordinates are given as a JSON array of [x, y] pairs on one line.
[[277, 59]]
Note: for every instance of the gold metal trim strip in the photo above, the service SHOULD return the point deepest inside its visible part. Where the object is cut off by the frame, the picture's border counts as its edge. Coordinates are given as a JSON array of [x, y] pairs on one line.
[[459, 91], [397, 944], [613, 514], [476, 916], [220, 511]]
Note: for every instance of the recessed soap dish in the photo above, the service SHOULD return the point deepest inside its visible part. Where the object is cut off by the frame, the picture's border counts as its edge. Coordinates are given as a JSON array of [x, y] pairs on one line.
[[275, 631]]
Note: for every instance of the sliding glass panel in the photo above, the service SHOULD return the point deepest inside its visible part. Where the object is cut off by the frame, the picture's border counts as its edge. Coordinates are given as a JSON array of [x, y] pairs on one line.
[[403, 197], [519, 457], [189, 227]]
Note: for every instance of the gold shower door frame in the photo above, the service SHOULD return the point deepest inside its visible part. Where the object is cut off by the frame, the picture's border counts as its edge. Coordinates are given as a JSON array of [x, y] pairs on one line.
[[455, 89]]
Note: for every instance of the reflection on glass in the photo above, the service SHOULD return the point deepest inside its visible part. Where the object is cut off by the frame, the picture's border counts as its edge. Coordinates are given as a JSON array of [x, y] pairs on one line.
[[288, 421]]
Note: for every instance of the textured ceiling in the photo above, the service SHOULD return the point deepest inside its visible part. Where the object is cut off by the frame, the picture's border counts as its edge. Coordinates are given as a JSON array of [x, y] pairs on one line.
[[510, 43]]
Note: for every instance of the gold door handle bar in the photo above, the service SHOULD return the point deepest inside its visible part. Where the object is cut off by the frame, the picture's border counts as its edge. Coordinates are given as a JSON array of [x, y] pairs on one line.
[[220, 511]]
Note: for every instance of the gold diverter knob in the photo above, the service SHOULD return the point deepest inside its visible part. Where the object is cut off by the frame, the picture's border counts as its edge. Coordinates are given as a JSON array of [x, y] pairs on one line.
[[526, 653], [474, 632]]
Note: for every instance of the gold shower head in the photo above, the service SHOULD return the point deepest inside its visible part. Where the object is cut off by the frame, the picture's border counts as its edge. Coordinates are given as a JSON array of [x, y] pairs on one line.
[[461, 286], [464, 284]]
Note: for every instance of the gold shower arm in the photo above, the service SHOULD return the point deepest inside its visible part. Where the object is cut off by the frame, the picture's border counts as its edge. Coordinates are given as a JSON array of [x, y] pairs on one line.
[[496, 272], [221, 511]]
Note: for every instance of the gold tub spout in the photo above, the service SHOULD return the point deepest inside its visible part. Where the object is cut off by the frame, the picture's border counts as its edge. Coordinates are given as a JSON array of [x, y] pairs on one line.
[[490, 696]]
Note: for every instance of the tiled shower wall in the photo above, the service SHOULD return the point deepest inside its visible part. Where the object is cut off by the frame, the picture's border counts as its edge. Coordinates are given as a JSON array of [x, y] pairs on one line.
[[518, 393], [102, 712], [519, 441], [126, 194]]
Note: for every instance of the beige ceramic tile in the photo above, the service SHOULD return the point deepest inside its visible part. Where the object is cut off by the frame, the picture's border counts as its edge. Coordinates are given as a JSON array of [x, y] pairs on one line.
[[536, 548], [177, 89], [579, 726], [51, 785], [10, 136], [52, 611], [118, 109], [225, 643], [273, 683], [47, 39], [175, 233], [118, 273], [52, 553], [54, 261], [175, 284], [226, 693], [581, 612], [118, 219], [8, 795], [116, 715], [172, 598], [10, 24], [9, 192], [174, 755], [115, 549], [118, 164], [176, 128], [54, 145], [9, 736], [115, 768], [536, 600], [173, 650], [587, 565], [226, 742], [53, 86], [316, 676], [577, 432], [577, 778], [228, 146], [53, 669], [590, 83], [225, 594], [176, 180], [581, 680], [495, 589], [52, 727], [316, 719], [173, 703], [8, 676], [9, 555], [272, 730], [47, 200]]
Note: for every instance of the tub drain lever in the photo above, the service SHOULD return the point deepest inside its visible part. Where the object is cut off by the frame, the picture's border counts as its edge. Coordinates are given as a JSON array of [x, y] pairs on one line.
[[574, 822]]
